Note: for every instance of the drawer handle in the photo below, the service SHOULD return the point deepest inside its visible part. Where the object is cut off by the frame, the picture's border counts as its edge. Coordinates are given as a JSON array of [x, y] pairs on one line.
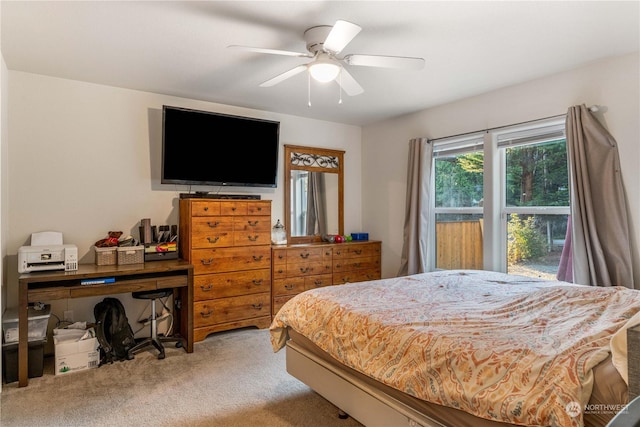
[[207, 287], [214, 240], [358, 251], [253, 223], [259, 208], [207, 261], [257, 306], [318, 283], [280, 271], [338, 266], [258, 258], [206, 208], [213, 224], [253, 238], [289, 287], [304, 256], [233, 208], [206, 314], [338, 253], [357, 264], [257, 282], [305, 269], [280, 256]]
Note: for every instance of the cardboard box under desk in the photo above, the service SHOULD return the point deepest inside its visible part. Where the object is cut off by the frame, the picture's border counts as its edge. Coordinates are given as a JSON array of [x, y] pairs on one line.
[[74, 356]]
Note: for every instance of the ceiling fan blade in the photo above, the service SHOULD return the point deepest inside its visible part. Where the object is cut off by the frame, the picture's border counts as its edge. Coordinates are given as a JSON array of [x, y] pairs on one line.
[[281, 77], [271, 51], [340, 36], [348, 83], [403, 62]]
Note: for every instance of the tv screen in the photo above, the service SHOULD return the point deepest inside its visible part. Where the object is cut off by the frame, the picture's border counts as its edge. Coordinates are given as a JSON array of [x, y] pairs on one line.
[[205, 148]]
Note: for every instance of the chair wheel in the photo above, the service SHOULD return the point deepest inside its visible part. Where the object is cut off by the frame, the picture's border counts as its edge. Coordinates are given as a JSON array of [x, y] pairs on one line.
[[178, 344]]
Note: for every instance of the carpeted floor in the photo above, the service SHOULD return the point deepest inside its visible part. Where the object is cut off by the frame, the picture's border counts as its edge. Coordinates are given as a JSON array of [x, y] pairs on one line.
[[232, 379]]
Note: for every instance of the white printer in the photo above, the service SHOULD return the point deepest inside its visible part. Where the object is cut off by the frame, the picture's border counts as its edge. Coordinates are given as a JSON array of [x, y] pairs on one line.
[[47, 252]]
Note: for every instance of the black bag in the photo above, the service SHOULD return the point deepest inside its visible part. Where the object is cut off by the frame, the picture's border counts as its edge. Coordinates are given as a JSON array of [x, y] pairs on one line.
[[113, 331]]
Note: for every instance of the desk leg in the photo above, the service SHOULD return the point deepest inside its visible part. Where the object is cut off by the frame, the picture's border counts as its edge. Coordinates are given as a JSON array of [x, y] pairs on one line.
[[23, 334], [186, 312]]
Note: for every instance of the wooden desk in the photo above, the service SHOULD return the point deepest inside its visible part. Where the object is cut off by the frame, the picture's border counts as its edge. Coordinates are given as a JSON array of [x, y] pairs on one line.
[[45, 286]]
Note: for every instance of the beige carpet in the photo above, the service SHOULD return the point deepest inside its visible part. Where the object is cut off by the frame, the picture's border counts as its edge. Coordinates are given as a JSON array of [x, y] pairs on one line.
[[231, 379]]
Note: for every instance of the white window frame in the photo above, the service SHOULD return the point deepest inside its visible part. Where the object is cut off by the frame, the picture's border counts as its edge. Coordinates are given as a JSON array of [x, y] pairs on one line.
[[494, 209]]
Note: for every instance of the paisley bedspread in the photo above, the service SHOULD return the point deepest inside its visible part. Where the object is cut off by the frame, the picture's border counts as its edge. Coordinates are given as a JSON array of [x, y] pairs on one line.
[[506, 348]]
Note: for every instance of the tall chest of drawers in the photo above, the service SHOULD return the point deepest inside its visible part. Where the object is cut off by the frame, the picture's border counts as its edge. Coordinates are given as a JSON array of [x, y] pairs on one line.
[[298, 268], [229, 244]]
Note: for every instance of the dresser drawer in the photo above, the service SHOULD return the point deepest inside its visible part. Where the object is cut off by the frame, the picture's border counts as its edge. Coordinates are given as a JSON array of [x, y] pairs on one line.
[[355, 276], [220, 285], [233, 208], [279, 256], [279, 271], [230, 259], [212, 232], [296, 255], [259, 208], [291, 286], [362, 263], [205, 208], [314, 282], [350, 250], [253, 230], [224, 310], [307, 269]]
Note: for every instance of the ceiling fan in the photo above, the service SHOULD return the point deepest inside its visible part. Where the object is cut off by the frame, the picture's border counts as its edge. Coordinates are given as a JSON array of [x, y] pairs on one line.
[[324, 43]]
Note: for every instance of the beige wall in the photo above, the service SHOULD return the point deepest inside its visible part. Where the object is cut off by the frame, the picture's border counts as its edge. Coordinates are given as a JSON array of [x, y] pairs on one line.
[[612, 84], [85, 159]]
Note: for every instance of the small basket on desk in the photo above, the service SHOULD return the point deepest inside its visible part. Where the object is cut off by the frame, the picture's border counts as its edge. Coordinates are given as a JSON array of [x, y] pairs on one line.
[[106, 256], [130, 255]]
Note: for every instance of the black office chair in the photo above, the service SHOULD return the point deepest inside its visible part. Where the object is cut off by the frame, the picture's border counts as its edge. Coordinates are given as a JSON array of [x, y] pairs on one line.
[[154, 339]]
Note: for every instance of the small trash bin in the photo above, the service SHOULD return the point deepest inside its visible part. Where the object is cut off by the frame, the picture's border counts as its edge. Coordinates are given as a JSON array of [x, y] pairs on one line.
[[10, 360], [37, 335]]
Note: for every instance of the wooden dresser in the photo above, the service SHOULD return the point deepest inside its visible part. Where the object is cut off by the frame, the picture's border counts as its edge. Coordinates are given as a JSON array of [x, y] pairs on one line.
[[229, 244], [298, 268]]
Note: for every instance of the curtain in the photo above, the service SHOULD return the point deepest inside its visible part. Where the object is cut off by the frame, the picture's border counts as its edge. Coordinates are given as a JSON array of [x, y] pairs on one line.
[[316, 206], [600, 246], [418, 254], [565, 266]]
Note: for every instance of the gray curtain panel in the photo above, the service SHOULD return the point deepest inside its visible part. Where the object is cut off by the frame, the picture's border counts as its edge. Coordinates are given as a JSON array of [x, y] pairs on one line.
[[601, 250], [418, 255], [316, 206]]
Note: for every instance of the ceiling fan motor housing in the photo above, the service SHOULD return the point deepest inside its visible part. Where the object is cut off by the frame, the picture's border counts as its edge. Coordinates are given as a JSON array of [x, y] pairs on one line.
[[315, 37]]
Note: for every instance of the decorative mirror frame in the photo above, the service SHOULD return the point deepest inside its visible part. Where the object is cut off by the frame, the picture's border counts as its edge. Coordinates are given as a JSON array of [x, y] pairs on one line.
[[312, 159]]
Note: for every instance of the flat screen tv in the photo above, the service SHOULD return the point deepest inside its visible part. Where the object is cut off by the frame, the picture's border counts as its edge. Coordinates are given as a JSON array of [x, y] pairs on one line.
[[206, 148]]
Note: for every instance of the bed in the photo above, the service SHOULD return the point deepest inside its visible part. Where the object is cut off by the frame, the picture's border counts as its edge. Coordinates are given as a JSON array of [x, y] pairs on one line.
[[462, 348]]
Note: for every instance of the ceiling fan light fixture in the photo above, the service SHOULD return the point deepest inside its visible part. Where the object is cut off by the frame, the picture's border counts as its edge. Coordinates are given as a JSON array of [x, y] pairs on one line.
[[324, 70]]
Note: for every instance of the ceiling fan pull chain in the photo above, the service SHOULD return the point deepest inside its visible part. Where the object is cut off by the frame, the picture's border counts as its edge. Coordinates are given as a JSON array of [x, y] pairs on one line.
[[340, 87], [309, 90]]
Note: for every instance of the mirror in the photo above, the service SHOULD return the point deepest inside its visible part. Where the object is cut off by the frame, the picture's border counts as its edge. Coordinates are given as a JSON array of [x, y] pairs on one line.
[[314, 201]]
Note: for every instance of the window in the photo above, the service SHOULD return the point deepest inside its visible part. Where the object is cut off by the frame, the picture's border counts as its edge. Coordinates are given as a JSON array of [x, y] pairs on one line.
[[502, 199], [458, 166]]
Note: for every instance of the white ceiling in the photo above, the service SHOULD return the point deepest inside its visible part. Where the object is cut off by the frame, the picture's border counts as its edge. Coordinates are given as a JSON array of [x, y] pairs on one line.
[[180, 48]]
